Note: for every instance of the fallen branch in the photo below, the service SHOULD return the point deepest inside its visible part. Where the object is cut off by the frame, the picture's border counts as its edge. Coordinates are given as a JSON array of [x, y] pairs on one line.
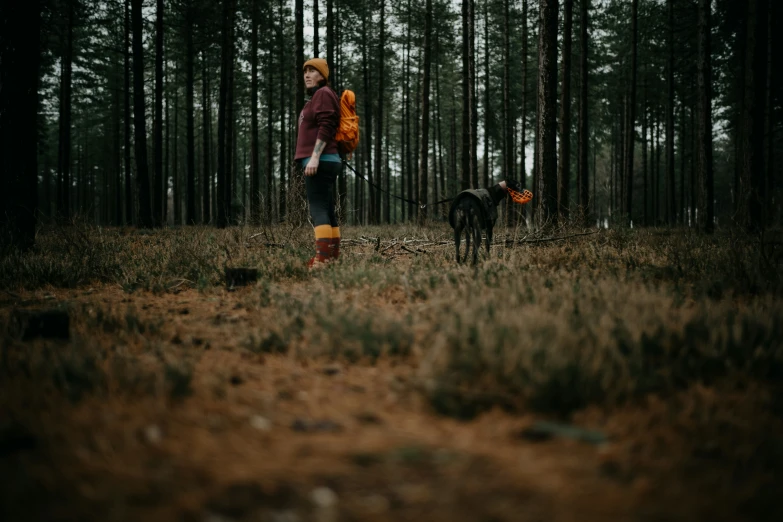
[[546, 239]]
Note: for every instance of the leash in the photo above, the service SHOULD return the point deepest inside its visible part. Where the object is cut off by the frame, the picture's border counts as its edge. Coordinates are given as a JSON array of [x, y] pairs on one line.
[[406, 200]]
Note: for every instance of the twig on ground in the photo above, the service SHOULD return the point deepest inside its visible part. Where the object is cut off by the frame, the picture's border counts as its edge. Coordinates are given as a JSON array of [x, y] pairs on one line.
[[545, 239]]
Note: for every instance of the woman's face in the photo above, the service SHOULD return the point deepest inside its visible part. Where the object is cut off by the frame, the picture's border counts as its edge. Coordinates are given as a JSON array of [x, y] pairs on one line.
[[312, 77]]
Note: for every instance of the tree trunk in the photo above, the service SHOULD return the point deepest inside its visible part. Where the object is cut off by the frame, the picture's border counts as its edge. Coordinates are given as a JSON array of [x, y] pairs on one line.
[[669, 200], [487, 80], [407, 118], [315, 30], [166, 146], [157, 139], [330, 36], [523, 141], [176, 189], [387, 174], [564, 164], [752, 177], [438, 116], [190, 147], [547, 101], [645, 176], [117, 152], [467, 98], [270, 148], [425, 117], [583, 172], [769, 131], [64, 155], [223, 210], [231, 142], [284, 163], [299, 58], [19, 79], [254, 174], [683, 136], [368, 127], [379, 118], [129, 214], [139, 118], [631, 130], [473, 95], [206, 106]]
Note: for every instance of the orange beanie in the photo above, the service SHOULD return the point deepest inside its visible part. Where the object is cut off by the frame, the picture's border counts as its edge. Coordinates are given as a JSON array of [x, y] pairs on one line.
[[320, 65]]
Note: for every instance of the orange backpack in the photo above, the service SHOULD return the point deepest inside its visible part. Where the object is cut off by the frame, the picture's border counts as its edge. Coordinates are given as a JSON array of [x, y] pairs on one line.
[[347, 136]]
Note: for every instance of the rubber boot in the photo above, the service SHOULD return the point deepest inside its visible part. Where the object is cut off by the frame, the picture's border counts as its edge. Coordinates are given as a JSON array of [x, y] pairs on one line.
[[334, 248]]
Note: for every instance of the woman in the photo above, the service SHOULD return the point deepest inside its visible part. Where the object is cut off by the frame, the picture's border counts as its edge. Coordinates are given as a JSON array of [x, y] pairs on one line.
[[317, 155]]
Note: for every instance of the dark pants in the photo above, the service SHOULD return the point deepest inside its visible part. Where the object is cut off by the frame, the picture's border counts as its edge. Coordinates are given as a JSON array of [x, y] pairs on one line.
[[320, 193]]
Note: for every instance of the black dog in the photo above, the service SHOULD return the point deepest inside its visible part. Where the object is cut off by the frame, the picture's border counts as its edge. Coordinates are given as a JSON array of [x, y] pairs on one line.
[[475, 211]]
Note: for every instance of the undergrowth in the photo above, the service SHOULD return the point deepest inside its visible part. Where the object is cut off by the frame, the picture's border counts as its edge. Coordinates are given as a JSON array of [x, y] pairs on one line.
[[553, 325]]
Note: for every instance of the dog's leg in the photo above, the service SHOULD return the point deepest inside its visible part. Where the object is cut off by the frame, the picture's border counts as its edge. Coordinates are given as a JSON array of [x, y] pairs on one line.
[[489, 237], [476, 240], [458, 226], [468, 234]]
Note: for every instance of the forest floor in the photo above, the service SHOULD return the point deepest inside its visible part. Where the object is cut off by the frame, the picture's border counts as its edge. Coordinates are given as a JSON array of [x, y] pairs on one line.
[[573, 375]]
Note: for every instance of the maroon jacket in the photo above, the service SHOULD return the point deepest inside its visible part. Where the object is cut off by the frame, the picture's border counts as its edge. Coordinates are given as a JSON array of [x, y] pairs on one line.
[[319, 119]]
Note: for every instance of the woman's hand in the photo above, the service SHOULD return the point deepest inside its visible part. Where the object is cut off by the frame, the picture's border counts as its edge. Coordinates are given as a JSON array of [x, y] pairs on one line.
[[312, 167]]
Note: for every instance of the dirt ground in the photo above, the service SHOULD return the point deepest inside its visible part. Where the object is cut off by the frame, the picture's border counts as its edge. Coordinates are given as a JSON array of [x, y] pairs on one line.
[[265, 436]]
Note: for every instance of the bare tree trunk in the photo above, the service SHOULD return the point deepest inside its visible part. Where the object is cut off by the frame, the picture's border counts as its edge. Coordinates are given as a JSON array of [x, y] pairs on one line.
[[473, 96], [769, 182], [631, 130], [117, 153], [231, 132], [176, 187], [270, 148], [19, 80], [508, 113], [330, 35], [487, 80], [425, 117], [523, 141], [157, 198], [752, 177], [299, 57], [670, 201], [129, 214], [438, 116], [284, 162], [223, 194], [66, 79], [139, 119], [206, 106], [367, 136], [564, 164], [645, 176], [190, 147], [387, 171], [379, 121], [547, 122], [583, 171], [467, 98], [167, 146], [315, 30], [254, 166], [407, 117]]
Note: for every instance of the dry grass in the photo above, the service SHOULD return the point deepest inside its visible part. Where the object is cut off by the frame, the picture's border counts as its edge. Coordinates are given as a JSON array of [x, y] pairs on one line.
[[671, 333]]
